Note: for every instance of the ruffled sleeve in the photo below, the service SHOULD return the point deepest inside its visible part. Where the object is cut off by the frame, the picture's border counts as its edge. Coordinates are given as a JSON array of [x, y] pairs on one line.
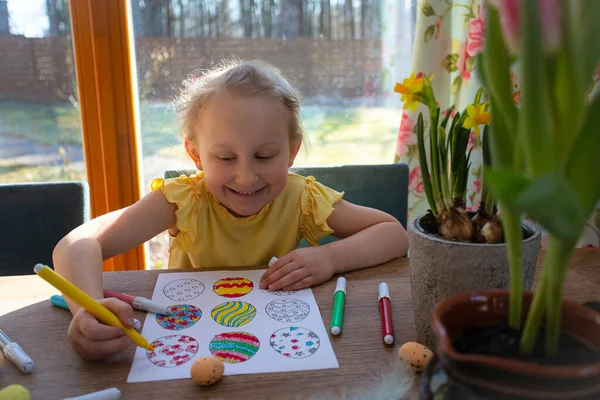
[[186, 193], [316, 206]]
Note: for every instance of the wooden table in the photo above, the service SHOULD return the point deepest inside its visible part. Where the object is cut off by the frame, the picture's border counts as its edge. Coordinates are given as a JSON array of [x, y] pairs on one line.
[[27, 316]]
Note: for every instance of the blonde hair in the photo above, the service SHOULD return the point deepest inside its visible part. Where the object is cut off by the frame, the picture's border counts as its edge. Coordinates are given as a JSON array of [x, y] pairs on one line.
[[251, 78]]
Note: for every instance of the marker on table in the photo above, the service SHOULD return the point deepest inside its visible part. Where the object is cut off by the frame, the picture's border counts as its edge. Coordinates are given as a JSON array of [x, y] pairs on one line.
[[385, 309], [337, 315], [107, 394], [89, 304], [60, 302], [139, 303], [15, 353]]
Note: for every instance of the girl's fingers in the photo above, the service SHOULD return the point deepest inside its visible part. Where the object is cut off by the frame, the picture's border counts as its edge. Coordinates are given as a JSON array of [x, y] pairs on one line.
[[289, 279], [278, 274], [277, 265], [301, 284], [100, 349], [91, 329]]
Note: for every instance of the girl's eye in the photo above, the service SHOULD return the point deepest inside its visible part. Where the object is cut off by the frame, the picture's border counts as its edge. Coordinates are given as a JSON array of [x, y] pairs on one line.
[[225, 159], [263, 158]]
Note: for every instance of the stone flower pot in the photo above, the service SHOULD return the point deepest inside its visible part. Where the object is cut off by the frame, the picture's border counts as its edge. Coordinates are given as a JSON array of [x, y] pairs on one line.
[[440, 268], [479, 354]]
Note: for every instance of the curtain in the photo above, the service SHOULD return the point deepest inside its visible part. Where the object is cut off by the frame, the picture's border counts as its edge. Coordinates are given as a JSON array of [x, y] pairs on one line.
[[448, 36]]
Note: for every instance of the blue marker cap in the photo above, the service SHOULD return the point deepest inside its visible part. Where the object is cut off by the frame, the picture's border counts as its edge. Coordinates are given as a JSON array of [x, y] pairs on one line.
[[59, 301]]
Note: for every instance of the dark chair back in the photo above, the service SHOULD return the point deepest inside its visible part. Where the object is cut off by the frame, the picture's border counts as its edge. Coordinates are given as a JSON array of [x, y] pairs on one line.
[[33, 219]]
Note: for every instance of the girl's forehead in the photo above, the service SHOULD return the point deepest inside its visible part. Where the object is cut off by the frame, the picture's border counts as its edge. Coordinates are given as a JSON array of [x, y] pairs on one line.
[[233, 118]]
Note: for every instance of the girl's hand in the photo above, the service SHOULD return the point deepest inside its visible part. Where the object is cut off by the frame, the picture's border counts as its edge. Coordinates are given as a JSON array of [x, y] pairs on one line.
[[299, 269], [92, 340]]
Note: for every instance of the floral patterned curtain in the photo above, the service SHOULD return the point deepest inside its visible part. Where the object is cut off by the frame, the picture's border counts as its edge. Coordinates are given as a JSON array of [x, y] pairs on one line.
[[448, 36]]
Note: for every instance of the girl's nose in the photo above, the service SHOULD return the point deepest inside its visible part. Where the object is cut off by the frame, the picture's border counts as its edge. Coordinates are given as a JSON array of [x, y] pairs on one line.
[[245, 175]]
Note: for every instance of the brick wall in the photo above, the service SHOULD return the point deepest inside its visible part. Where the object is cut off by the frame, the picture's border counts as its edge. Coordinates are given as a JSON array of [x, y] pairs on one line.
[[38, 68]]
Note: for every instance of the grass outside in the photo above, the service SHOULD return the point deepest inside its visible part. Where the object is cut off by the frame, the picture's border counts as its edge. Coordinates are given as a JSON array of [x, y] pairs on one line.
[[46, 143]]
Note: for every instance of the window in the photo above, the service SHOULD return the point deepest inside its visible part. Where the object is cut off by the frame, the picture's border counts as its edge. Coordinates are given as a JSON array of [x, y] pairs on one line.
[[40, 122], [343, 55]]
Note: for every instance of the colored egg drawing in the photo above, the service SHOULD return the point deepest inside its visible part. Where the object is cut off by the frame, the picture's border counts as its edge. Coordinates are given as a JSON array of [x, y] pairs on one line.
[[295, 342], [180, 316], [233, 287], [172, 350], [233, 314], [234, 347]]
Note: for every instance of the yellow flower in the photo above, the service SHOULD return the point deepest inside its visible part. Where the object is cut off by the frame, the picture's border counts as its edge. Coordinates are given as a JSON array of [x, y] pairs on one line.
[[411, 85], [411, 89], [411, 101], [477, 116]]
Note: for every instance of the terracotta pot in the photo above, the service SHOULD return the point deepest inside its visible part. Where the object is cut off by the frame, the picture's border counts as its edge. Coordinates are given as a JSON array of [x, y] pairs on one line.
[[498, 377], [440, 268]]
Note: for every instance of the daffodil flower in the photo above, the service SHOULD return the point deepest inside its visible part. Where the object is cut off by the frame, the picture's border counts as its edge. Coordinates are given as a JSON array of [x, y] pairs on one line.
[[477, 116], [411, 89]]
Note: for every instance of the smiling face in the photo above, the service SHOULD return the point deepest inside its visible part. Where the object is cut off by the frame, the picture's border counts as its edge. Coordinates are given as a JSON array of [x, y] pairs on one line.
[[242, 144]]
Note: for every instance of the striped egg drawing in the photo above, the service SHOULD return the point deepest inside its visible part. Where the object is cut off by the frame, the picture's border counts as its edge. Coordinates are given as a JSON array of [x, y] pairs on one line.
[[233, 314], [233, 287], [234, 347], [287, 310]]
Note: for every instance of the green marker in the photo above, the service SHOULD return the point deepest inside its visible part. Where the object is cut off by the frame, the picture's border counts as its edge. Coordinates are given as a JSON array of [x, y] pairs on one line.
[[337, 315]]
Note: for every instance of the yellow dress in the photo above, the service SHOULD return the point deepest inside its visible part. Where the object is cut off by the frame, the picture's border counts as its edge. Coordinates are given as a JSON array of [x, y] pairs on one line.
[[210, 236]]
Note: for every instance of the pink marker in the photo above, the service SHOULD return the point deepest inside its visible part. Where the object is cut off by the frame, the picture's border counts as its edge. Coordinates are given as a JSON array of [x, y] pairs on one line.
[[139, 303]]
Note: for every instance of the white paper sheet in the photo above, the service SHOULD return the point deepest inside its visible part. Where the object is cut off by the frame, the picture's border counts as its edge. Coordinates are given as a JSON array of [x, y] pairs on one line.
[[281, 331]]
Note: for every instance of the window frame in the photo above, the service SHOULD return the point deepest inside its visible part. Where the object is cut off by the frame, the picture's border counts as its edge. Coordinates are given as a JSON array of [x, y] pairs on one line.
[[105, 79]]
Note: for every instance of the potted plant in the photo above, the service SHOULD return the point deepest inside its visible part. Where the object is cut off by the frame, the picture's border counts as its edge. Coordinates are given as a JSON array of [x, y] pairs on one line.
[[545, 164], [451, 250]]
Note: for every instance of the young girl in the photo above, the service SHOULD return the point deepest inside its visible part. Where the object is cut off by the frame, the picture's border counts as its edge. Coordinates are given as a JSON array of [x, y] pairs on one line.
[[240, 124]]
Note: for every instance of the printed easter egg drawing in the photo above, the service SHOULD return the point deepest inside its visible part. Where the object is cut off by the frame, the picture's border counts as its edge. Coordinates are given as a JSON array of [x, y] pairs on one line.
[[183, 289], [234, 347], [287, 310], [295, 342], [233, 314], [172, 351], [233, 287], [181, 316]]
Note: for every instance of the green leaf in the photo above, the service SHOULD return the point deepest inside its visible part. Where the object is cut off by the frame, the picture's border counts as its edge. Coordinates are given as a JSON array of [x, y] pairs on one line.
[[568, 97], [449, 62], [552, 202], [583, 165], [423, 164], [427, 9], [429, 33], [506, 185], [501, 145], [495, 72], [549, 200], [534, 106], [456, 84], [471, 63], [588, 32]]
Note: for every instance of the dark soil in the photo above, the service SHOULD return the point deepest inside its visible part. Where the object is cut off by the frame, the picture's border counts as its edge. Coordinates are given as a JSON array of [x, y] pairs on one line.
[[502, 340]]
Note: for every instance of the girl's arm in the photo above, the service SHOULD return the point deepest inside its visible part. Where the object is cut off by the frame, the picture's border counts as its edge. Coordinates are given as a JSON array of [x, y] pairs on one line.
[[79, 255], [369, 237]]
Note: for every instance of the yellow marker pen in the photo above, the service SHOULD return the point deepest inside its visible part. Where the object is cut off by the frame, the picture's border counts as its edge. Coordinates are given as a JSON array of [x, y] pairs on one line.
[[88, 303]]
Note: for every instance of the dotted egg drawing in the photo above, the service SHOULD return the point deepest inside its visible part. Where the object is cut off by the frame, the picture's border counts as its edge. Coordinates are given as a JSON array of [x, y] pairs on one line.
[[287, 310], [183, 289], [281, 292]]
